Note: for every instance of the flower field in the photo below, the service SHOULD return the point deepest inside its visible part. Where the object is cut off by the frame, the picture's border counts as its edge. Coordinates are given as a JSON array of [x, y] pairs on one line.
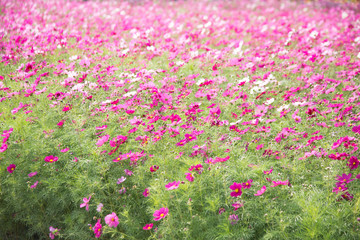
[[179, 120]]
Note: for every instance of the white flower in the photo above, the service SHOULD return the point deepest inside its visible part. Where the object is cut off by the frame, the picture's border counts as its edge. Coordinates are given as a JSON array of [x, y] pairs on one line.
[[270, 101], [314, 34], [200, 81], [358, 55], [72, 58], [280, 109], [257, 90], [129, 94]]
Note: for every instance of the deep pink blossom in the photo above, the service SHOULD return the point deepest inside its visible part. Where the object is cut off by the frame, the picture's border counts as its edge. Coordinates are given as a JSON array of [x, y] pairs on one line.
[[160, 214], [172, 185], [237, 189], [261, 191], [353, 163], [146, 193], [112, 220], [11, 168], [85, 203], [51, 159], [148, 226], [189, 177], [98, 228]]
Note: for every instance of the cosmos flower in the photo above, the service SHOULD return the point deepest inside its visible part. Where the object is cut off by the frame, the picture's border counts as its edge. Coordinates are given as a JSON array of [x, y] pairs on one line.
[[160, 214]]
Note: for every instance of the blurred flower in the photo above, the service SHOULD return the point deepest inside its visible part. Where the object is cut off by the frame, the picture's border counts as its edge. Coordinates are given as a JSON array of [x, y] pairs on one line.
[[234, 219], [85, 203], [121, 180], [34, 185], [146, 193], [32, 174], [172, 185], [53, 232], [261, 191], [99, 207], [51, 158], [112, 220], [161, 213], [154, 168], [98, 229], [148, 226], [11, 168], [128, 172], [237, 189]]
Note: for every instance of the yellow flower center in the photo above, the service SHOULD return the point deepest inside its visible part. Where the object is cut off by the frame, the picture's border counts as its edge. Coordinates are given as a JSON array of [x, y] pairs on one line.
[[51, 160], [247, 184], [339, 188], [161, 215], [236, 190], [112, 219], [149, 227], [12, 169]]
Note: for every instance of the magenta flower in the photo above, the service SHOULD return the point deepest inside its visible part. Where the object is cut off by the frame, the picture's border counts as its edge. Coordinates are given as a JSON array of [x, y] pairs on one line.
[[247, 184], [66, 108], [146, 193], [34, 185], [278, 183], [50, 159], [61, 123], [161, 213], [356, 129], [237, 205], [154, 168], [172, 185], [237, 189], [148, 226], [98, 229], [353, 163], [86, 203], [53, 232], [189, 177], [261, 191], [11, 168], [345, 178], [112, 220], [32, 174], [268, 172]]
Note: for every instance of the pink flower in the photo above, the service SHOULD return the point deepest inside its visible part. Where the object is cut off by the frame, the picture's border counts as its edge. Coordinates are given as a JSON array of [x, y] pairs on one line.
[[34, 185], [128, 172], [154, 168], [98, 229], [50, 159], [148, 226], [102, 140], [268, 172], [11, 168], [61, 123], [247, 184], [64, 150], [112, 220], [85, 203], [189, 177], [101, 127], [53, 232], [237, 205], [172, 185], [161, 213], [278, 183], [353, 163], [99, 207], [3, 147], [261, 191], [259, 146], [237, 189], [66, 108], [121, 180], [32, 174], [146, 193]]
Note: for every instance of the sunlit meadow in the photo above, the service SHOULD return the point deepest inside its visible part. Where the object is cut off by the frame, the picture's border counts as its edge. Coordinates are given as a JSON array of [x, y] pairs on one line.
[[179, 120]]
